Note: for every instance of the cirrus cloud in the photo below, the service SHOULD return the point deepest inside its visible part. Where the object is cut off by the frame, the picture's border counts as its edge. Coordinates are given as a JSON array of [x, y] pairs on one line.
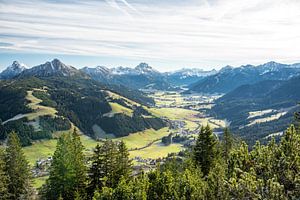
[[196, 32]]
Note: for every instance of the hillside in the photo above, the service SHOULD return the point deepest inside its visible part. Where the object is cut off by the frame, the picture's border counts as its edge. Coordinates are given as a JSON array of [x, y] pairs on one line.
[[37, 106], [229, 78], [266, 107]]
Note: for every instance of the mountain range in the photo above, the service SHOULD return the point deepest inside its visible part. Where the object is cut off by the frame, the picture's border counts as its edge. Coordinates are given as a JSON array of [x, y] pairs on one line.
[[143, 76], [229, 78]]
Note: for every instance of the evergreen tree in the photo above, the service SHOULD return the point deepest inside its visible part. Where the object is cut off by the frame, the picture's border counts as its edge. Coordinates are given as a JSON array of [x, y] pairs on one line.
[[245, 185], [289, 162], [123, 191], [191, 185], [109, 168], [140, 187], [123, 162], [105, 194], [3, 177], [17, 169], [216, 181], [227, 143], [79, 165], [206, 152], [95, 171], [67, 171]]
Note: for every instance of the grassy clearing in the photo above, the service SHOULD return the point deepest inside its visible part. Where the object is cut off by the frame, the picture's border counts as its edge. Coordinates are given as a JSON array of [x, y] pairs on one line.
[[267, 119], [157, 150], [141, 139], [39, 110], [116, 96], [259, 113], [117, 108]]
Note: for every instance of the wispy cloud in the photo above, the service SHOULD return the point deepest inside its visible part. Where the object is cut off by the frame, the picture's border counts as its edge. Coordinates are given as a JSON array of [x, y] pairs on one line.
[[195, 32]]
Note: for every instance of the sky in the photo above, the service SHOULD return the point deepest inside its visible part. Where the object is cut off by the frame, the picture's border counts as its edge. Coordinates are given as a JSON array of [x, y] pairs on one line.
[[167, 34]]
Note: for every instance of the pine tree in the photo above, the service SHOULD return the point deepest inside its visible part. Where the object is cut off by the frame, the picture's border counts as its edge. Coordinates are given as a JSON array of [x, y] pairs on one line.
[[95, 171], [3, 177], [67, 171], [17, 169], [123, 191], [106, 193], [206, 152], [289, 162], [109, 167], [140, 187], [227, 143], [216, 180], [191, 185], [105, 166], [123, 162], [79, 166]]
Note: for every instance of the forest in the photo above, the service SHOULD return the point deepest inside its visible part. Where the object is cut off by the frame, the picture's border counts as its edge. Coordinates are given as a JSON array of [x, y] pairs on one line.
[[211, 169]]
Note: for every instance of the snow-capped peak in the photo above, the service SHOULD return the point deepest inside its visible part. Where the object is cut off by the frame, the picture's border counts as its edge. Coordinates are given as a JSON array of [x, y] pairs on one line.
[[13, 70], [144, 68]]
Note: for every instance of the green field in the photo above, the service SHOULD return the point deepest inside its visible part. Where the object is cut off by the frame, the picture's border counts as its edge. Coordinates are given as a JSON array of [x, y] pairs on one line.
[[174, 113], [117, 108], [157, 150], [141, 139]]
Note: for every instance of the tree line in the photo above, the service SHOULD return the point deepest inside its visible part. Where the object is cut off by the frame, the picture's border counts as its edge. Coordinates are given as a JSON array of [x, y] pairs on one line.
[[212, 169]]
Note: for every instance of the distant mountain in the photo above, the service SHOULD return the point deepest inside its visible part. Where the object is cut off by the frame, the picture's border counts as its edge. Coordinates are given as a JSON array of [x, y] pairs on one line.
[[229, 78], [142, 76], [187, 76], [53, 68], [13, 70], [267, 99]]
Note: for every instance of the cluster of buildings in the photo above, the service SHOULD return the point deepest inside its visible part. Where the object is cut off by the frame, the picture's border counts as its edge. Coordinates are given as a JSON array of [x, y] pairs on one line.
[[42, 167]]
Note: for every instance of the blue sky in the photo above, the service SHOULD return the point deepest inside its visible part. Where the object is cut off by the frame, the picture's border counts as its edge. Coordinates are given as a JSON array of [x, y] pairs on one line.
[[168, 34]]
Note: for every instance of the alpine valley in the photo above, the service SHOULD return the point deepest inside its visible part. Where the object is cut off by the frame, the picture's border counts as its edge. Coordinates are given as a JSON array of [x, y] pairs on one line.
[[155, 113], [116, 102]]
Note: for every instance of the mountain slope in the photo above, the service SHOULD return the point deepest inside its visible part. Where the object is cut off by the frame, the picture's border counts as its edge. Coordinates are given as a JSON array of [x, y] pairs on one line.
[[229, 78], [265, 107]]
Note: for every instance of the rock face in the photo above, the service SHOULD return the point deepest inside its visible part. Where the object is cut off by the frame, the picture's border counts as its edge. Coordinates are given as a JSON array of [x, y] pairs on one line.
[[53, 68], [13, 70], [229, 78]]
